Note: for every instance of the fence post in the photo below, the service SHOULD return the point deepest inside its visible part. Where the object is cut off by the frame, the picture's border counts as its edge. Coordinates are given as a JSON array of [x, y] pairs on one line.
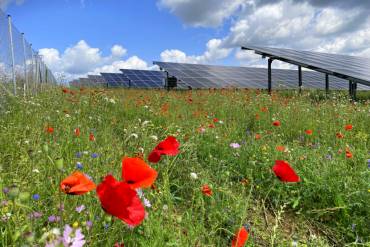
[[25, 86], [12, 53]]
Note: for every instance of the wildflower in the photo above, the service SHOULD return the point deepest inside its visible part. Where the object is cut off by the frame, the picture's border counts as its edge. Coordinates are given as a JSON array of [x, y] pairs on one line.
[[339, 135], [35, 215], [6, 190], [206, 190], [75, 224], [284, 172], [215, 120], [201, 130], [165, 207], [80, 208], [49, 129], [280, 148], [36, 197], [79, 166], [348, 154], [155, 138], [53, 218], [193, 175], [276, 123], [134, 135], [309, 132], [368, 163], [170, 146], [235, 145], [77, 184], [119, 245], [348, 127], [75, 239], [65, 90], [211, 126], [328, 157], [89, 224], [91, 137], [36, 171], [240, 237], [94, 155], [120, 200], [257, 136], [137, 173], [77, 132], [264, 109], [78, 155]]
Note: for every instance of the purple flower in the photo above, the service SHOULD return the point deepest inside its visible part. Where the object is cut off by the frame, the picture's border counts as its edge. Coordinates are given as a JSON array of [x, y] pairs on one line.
[[78, 155], [61, 207], [234, 145], [53, 218], [368, 163], [36, 197], [106, 226], [70, 239], [79, 166], [81, 208], [94, 155], [89, 224], [5, 190], [35, 215], [4, 203], [328, 157]]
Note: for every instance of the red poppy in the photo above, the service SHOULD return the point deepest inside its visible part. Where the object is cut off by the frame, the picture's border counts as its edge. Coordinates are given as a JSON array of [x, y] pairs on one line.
[[77, 132], [280, 148], [240, 237], [257, 136], [49, 129], [348, 127], [211, 126], [170, 146], [348, 153], [119, 245], [215, 120], [206, 190], [92, 137], [285, 172], [118, 199], [309, 132], [276, 123], [77, 184], [65, 90], [339, 135], [257, 116], [264, 109], [137, 173]]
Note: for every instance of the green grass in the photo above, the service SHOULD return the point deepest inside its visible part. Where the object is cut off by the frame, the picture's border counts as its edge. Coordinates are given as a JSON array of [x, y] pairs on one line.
[[329, 207]]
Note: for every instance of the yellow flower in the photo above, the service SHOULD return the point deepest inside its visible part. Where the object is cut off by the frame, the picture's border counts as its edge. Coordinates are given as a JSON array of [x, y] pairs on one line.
[[75, 224]]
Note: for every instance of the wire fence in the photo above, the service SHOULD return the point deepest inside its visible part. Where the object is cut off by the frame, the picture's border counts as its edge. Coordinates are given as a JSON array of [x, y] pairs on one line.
[[22, 70]]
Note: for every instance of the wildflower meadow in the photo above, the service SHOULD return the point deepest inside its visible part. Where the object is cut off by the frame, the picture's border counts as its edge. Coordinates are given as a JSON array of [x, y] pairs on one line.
[[184, 168]]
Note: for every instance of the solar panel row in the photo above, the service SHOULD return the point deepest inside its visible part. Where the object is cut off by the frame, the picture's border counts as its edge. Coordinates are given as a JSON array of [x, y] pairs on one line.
[[145, 78]]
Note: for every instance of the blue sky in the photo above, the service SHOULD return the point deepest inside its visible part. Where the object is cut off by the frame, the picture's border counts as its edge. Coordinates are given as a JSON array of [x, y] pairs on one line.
[[80, 37]]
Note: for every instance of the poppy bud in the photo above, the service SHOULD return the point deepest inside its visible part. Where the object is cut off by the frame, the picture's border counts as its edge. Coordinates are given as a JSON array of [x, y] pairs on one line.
[[59, 163], [13, 192], [45, 147], [24, 196]]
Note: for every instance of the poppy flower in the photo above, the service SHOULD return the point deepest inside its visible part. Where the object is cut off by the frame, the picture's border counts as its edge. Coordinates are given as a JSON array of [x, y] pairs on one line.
[[170, 146], [348, 127], [276, 123], [309, 132], [137, 173], [211, 126], [280, 148], [92, 137], [49, 129], [206, 190], [215, 120], [77, 184], [285, 172], [257, 116], [348, 153], [65, 90], [339, 135], [120, 200], [264, 109], [77, 132], [240, 237], [257, 136]]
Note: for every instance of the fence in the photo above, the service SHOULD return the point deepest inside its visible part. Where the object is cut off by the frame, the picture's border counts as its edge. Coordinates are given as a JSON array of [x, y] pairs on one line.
[[22, 70]]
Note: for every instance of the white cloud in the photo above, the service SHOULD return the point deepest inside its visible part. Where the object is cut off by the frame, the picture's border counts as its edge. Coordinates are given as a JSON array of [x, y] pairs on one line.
[[214, 52], [5, 3], [81, 59]]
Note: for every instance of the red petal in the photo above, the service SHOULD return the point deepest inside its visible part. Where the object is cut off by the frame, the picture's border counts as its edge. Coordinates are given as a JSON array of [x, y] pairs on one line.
[[154, 157], [284, 172], [170, 146], [240, 238], [137, 173], [119, 200], [77, 184]]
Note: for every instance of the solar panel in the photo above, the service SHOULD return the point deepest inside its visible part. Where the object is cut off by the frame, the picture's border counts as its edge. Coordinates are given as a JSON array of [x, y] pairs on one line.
[[115, 79], [212, 76], [347, 67], [145, 78]]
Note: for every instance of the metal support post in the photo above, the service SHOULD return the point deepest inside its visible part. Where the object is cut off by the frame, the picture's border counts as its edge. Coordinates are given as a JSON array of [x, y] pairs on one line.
[[269, 75], [327, 83], [300, 78], [12, 53], [25, 86]]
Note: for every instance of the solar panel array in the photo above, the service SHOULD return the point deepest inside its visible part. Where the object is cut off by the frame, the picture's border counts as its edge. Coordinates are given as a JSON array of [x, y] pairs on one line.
[[97, 80], [344, 66], [210, 76], [116, 79], [145, 78]]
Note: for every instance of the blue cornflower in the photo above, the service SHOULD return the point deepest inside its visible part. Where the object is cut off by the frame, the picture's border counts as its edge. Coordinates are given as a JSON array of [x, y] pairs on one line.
[[78, 155], [94, 155], [36, 197], [79, 166], [368, 163]]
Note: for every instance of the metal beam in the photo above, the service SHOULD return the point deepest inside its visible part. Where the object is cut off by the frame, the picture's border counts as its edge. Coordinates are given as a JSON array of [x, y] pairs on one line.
[[327, 83], [269, 75], [300, 78]]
